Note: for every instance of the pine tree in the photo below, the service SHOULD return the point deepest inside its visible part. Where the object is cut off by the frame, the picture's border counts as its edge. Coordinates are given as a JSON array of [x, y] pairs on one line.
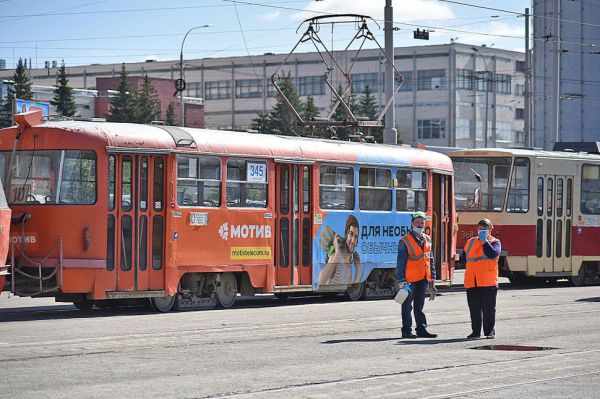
[[22, 83], [281, 120], [122, 105], [6, 109], [368, 108], [170, 116], [341, 114], [64, 100], [145, 102], [310, 109], [261, 123]]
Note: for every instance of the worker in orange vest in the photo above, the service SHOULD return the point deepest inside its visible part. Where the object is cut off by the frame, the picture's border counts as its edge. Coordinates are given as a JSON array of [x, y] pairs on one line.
[[415, 269], [481, 255]]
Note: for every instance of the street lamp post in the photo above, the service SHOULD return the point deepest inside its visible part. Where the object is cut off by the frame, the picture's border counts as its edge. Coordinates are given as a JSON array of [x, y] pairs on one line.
[[487, 73], [182, 108]]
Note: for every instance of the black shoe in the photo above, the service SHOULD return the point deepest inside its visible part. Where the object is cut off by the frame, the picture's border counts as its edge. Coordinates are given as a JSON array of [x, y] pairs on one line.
[[491, 335], [425, 334], [473, 336], [408, 335]]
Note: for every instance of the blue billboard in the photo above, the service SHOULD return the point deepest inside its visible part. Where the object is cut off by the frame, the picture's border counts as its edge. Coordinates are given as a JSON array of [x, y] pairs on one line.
[[22, 106]]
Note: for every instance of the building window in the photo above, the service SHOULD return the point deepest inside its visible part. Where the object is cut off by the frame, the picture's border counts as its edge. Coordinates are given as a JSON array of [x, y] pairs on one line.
[[463, 128], [520, 137], [520, 90], [434, 79], [198, 181], [311, 86], [503, 83], [479, 127], [248, 88], [520, 66], [431, 128], [408, 81], [219, 90], [246, 183], [503, 131], [375, 189], [411, 192], [336, 187], [520, 113], [361, 80], [464, 79], [484, 81], [193, 89]]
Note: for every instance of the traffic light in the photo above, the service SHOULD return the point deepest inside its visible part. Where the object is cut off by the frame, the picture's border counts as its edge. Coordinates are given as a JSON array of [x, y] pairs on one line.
[[421, 34]]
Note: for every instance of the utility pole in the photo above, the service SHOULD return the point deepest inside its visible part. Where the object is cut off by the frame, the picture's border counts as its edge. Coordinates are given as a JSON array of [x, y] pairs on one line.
[[527, 91], [389, 131], [485, 87]]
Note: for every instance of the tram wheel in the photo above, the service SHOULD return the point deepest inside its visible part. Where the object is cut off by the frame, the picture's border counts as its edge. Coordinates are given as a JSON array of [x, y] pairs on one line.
[[163, 304], [83, 304], [227, 290], [579, 279], [355, 292]]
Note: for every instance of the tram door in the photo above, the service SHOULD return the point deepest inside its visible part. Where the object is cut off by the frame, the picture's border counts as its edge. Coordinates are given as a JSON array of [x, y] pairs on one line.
[[555, 219], [441, 234], [137, 221], [294, 224]]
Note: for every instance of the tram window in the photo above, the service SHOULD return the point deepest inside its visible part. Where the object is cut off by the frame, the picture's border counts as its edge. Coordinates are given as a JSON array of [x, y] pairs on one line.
[[143, 242], [126, 184], [568, 238], [143, 183], [559, 197], [336, 187], [558, 238], [550, 191], [375, 189], [590, 190], [540, 196], [548, 238], [159, 184], [199, 181], [493, 173], [111, 182], [110, 243], [284, 189], [306, 189], [306, 241], [78, 183], [539, 238], [518, 194], [157, 242], [126, 240], [411, 191], [569, 197], [247, 182]]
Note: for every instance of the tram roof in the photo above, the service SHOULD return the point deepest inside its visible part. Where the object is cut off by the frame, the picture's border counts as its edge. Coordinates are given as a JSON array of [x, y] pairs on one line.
[[524, 152], [149, 137]]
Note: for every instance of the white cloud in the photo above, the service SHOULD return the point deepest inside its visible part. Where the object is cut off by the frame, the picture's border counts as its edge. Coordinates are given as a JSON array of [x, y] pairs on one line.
[[415, 11], [271, 16], [495, 32]]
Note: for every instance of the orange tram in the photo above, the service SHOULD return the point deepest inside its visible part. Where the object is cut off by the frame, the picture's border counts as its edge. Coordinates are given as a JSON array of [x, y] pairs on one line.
[[191, 218]]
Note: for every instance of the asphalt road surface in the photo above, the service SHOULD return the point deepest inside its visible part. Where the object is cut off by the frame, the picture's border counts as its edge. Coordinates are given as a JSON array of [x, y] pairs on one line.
[[303, 347]]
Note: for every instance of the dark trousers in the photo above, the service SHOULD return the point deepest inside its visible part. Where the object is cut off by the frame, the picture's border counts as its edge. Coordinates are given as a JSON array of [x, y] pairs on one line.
[[482, 301], [417, 295]]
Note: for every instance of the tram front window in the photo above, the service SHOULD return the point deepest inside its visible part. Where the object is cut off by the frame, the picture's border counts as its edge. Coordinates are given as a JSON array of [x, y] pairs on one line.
[[50, 177], [485, 195]]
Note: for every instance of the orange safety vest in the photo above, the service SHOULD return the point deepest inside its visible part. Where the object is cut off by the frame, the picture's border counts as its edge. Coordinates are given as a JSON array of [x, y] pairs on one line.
[[418, 263], [481, 271]]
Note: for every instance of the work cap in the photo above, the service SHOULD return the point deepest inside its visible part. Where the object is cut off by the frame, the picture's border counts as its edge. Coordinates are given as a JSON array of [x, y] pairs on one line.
[[419, 214]]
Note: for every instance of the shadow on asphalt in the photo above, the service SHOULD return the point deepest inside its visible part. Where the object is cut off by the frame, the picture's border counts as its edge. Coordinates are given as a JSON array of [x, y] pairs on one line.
[[343, 341], [592, 299], [430, 341]]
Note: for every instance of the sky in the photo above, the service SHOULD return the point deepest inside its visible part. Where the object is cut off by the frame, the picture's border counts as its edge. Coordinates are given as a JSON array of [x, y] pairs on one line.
[[112, 31]]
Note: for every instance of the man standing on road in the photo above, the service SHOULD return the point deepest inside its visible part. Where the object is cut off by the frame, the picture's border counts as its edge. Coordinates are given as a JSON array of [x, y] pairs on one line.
[[481, 279], [415, 268]]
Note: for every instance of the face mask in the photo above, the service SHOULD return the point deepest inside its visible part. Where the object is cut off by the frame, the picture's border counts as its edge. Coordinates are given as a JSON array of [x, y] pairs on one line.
[[483, 234], [418, 230]]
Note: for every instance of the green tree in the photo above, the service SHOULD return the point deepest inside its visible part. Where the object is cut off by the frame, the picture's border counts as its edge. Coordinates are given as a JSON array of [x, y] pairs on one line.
[[22, 83], [170, 116], [309, 113], [145, 102], [341, 114], [6, 109], [63, 100], [122, 105], [367, 106], [281, 119], [261, 123]]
